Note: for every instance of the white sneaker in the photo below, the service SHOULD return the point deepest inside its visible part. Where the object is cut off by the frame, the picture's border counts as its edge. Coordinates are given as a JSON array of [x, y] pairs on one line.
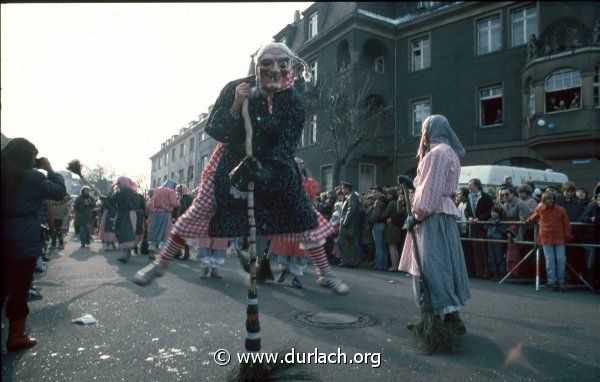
[[331, 281], [148, 273]]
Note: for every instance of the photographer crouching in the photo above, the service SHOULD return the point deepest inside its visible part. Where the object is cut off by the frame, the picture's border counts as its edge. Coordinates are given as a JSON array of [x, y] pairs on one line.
[[23, 189]]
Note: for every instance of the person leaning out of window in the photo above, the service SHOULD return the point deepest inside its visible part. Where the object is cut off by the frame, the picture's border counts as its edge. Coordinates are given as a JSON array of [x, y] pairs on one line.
[[23, 189]]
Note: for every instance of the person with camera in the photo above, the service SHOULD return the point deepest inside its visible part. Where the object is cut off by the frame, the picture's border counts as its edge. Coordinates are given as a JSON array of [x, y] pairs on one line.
[[23, 188]]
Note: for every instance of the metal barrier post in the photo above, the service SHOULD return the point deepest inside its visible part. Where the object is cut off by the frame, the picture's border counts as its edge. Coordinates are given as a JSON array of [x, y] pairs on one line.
[[537, 258]]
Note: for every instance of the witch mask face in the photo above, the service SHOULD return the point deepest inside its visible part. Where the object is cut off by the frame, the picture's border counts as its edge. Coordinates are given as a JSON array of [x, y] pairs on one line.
[[274, 70]]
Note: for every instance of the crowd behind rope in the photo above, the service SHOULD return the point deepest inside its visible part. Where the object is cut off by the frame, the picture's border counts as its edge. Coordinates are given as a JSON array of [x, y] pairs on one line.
[[380, 214]]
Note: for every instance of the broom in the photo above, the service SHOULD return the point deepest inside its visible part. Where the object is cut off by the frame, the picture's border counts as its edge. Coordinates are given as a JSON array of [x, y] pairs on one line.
[[75, 167], [430, 332], [253, 370]]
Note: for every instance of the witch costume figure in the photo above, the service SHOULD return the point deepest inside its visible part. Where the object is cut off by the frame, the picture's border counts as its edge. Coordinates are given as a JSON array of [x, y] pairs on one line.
[[434, 224], [282, 208]]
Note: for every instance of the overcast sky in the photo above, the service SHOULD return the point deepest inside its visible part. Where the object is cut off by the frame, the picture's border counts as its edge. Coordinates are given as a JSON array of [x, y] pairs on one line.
[[108, 83]]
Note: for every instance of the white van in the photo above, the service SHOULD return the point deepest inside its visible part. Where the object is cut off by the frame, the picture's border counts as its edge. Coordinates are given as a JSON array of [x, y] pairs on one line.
[[494, 176]]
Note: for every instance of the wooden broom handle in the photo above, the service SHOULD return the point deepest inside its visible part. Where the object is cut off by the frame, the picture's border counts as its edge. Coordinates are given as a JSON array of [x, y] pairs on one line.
[[251, 220]]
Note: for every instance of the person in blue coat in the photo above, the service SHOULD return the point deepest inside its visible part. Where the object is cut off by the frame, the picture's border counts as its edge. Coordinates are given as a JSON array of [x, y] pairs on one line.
[[23, 189]]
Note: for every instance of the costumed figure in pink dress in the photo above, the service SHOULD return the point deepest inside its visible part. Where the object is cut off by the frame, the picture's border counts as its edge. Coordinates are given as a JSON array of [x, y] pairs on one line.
[[434, 223]]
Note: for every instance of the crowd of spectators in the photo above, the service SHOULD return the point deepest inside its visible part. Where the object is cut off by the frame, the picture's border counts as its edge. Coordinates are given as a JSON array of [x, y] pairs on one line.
[[369, 229]]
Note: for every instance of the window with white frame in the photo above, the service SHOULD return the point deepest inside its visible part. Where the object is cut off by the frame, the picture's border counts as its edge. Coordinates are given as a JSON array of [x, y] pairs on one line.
[[173, 154], [563, 90], [181, 178], [181, 150], [192, 142], [311, 138], [327, 177], [597, 87], [204, 135], [313, 27], [524, 24], [421, 53], [490, 106], [379, 64], [313, 66], [421, 109], [166, 159], [489, 35], [531, 104], [366, 178]]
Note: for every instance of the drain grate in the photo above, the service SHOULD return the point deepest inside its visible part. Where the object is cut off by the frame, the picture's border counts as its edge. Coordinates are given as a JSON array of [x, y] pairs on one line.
[[334, 319]]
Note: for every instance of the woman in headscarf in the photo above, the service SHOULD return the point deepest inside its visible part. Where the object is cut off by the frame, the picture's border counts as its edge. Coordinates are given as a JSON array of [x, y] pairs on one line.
[[126, 202], [282, 208], [434, 223], [23, 189], [161, 204], [107, 221]]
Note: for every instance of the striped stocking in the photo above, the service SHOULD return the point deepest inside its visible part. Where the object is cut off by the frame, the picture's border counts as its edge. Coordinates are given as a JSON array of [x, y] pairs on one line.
[[174, 245], [319, 259]]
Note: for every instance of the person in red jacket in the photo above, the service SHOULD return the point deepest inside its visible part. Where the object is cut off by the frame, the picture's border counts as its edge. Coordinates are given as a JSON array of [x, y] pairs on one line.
[[554, 232]]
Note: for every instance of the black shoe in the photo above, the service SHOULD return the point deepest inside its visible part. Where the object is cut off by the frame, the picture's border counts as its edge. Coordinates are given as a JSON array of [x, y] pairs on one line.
[[135, 250], [296, 283], [555, 288], [45, 258], [453, 322], [282, 276], [34, 295], [214, 274]]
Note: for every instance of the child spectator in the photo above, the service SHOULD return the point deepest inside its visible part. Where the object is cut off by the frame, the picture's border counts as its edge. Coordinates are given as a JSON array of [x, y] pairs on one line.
[[554, 232], [495, 231]]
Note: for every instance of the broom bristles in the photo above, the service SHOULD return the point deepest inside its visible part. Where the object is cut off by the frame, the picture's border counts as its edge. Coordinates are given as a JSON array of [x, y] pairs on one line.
[[74, 166], [433, 336], [278, 371]]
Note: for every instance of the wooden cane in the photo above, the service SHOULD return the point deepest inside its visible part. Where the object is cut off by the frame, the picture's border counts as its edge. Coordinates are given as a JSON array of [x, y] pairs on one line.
[[251, 220]]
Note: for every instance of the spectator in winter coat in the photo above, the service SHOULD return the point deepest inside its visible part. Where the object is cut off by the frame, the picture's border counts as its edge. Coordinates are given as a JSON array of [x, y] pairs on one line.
[[393, 235], [495, 230], [84, 215], [367, 231], [23, 188], [526, 194], [553, 234], [591, 215], [381, 251], [479, 208], [59, 211]]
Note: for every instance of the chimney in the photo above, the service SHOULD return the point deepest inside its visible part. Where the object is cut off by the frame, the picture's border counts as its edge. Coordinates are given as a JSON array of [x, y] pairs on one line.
[[296, 16]]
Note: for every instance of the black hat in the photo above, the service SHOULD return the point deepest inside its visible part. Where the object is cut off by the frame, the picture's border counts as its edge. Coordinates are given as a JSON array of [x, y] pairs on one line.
[[346, 185], [378, 188]]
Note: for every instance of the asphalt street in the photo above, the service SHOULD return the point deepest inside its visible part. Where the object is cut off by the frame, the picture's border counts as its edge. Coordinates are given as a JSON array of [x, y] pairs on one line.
[[171, 329]]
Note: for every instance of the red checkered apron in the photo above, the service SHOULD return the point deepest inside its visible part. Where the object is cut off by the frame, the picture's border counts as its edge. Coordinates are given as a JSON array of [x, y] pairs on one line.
[[194, 222]]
